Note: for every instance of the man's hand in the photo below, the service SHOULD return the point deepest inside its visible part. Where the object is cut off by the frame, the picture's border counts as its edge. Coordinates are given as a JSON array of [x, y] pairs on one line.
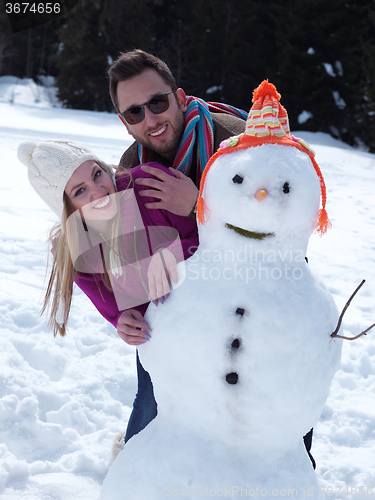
[[132, 327], [178, 193], [162, 267]]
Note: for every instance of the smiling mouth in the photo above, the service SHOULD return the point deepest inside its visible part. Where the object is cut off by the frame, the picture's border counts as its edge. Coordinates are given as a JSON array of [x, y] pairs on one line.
[[249, 234], [158, 132], [103, 203]]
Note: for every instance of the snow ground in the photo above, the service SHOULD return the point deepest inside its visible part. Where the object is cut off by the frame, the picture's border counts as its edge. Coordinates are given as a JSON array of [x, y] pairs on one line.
[[62, 400]]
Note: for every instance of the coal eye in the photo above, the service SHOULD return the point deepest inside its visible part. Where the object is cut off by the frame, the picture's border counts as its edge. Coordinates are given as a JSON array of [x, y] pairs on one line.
[[237, 179], [286, 187]]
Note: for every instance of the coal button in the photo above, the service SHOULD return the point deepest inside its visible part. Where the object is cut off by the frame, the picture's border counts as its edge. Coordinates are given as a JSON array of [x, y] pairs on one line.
[[232, 378]]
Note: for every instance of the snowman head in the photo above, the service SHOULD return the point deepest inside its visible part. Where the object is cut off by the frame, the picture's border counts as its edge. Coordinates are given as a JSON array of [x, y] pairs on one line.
[[269, 192], [266, 177]]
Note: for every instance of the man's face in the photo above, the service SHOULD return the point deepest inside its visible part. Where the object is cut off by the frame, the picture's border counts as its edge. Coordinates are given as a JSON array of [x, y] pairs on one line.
[[161, 133]]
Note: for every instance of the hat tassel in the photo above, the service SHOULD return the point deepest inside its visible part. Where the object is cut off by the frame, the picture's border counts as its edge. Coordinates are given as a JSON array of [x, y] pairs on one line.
[[323, 223]]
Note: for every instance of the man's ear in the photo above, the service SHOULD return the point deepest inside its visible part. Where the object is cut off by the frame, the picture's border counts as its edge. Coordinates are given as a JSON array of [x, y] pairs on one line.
[[181, 97]]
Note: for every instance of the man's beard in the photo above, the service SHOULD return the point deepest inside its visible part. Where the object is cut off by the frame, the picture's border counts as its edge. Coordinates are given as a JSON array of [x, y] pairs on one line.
[[169, 149]]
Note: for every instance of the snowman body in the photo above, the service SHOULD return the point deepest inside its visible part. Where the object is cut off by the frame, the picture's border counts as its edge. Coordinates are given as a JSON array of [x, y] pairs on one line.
[[241, 356]]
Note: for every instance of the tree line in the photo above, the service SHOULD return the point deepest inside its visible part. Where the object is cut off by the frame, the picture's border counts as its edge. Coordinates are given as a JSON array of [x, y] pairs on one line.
[[319, 54]]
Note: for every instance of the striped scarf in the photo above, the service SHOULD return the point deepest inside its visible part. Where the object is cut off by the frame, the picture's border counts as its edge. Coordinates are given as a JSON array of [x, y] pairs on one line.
[[198, 126]]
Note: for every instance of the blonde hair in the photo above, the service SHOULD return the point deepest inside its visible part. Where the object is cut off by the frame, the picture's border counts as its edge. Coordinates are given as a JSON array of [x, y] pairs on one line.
[[58, 297]]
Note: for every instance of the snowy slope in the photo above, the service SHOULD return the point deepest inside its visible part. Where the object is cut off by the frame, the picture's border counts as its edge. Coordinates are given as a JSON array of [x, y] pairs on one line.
[[63, 400]]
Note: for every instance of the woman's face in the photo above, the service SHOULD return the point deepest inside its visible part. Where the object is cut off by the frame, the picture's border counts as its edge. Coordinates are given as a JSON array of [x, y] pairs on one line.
[[90, 189]]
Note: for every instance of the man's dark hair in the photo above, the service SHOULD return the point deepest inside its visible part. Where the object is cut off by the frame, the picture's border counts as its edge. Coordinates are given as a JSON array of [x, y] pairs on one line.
[[132, 63]]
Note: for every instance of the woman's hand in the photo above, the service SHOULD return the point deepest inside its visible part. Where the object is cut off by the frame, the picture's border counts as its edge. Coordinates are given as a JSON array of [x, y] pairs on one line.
[[133, 328], [161, 271]]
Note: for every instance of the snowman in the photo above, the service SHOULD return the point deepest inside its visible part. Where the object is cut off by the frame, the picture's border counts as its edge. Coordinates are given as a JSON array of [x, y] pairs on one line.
[[241, 355]]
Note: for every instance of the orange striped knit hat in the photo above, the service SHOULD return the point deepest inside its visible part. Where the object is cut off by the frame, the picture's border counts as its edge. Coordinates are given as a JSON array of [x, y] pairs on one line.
[[267, 123]]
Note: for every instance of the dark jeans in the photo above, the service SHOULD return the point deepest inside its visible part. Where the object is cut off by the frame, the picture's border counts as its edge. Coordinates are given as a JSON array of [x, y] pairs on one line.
[[144, 406], [145, 409]]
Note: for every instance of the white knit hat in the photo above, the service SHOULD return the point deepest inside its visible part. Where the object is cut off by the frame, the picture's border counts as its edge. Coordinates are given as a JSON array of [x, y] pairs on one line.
[[50, 166]]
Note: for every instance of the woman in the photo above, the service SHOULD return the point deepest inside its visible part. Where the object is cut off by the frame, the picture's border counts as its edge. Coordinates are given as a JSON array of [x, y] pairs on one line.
[[121, 254]]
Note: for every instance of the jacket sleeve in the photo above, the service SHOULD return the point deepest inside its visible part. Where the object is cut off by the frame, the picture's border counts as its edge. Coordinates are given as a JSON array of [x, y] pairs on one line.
[[102, 298], [226, 126], [188, 231], [129, 159], [184, 226]]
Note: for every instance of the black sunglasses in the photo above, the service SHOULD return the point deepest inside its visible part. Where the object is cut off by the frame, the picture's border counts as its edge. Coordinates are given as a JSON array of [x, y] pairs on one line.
[[157, 104]]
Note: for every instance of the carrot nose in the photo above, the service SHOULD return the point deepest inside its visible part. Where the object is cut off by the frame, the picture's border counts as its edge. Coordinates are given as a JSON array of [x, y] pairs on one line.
[[261, 194]]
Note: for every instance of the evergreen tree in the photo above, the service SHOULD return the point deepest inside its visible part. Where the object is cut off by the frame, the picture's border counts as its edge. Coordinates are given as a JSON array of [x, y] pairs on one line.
[[320, 70], [93, 35], [367, 44], [82, 58], [7, 48], [27, 53]]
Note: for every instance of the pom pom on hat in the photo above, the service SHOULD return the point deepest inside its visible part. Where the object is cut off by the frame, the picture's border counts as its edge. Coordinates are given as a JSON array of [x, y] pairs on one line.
[[264, 89], [25, 152]]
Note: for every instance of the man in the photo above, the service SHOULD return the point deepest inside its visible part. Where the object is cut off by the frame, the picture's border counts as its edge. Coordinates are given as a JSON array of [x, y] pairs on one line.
[[152, 108]]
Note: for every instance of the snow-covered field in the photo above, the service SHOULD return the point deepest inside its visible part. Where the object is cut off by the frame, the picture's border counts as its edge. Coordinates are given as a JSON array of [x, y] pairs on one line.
[[62, 400]]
